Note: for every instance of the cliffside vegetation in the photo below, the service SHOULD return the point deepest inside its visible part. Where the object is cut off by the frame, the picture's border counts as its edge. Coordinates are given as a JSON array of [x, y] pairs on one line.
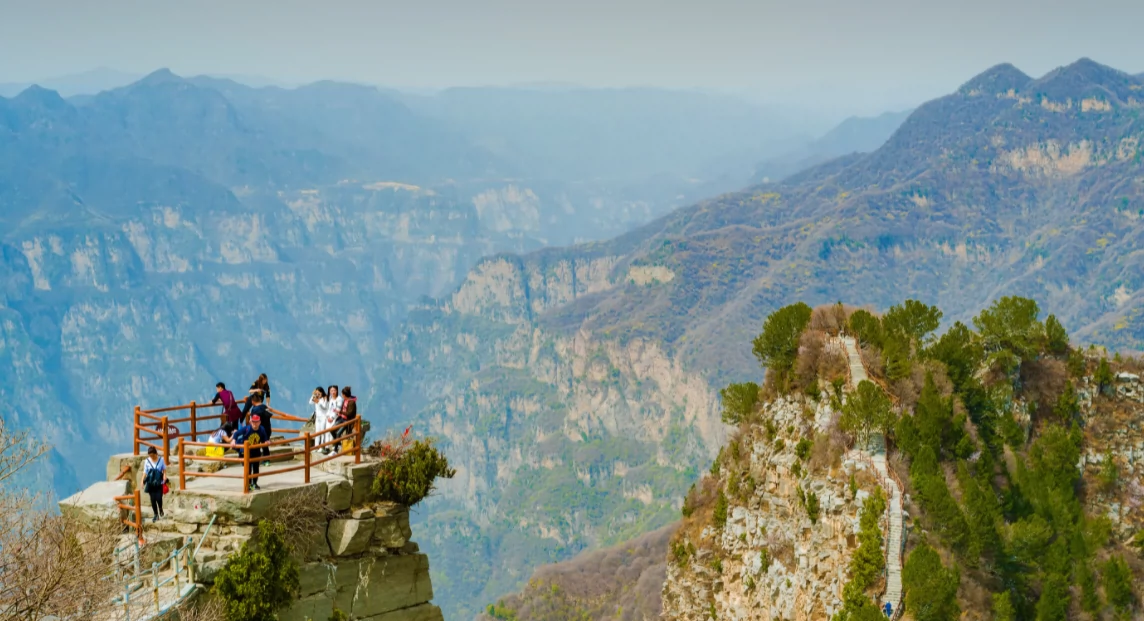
[[989, 428]]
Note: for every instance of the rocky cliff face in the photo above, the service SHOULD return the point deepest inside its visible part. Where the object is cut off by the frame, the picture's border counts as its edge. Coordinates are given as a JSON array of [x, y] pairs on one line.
[[562, 442], [769, 559]]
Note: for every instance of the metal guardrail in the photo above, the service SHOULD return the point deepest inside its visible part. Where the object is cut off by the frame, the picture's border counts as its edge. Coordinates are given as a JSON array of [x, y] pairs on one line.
[[182, 574]]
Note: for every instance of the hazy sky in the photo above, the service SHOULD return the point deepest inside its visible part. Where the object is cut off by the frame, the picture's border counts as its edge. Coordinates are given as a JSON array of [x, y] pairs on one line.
[[865, 54]]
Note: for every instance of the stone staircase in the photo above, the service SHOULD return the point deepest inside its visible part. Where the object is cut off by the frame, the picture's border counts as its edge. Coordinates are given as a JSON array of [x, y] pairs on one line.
[[877, 453]]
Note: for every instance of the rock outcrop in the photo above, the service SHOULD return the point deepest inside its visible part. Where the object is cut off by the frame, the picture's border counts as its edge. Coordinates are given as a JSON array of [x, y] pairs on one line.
[[360, 558]]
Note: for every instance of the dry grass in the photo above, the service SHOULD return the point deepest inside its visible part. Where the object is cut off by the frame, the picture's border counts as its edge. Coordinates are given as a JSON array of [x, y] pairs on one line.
[[203, 608], [872, 360], [303, 515], [51, 566], [829, 447], [830, 318]]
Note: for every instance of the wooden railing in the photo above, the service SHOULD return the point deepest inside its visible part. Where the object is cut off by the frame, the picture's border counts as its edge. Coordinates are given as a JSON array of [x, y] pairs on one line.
[[156, 429], [349, 430], [135, 509]]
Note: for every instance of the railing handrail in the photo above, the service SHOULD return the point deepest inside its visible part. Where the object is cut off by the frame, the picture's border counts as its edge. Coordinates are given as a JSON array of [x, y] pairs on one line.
[[307, 450]]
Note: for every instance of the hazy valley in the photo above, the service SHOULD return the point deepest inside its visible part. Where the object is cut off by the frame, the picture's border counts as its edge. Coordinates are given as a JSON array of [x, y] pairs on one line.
[[556, 297]]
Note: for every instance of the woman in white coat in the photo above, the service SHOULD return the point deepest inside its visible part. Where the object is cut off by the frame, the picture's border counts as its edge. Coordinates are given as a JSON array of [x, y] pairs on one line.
[[321, 415], [335, 400]]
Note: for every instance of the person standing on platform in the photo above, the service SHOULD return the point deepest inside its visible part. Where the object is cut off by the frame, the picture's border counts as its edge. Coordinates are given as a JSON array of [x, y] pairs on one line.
[[321, 416], [260, 435], [230, 411]]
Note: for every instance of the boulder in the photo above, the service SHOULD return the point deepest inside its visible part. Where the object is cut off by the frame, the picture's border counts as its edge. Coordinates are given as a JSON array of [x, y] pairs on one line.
[[338, 495], [392, 529], [348, 537], [129, 461], [97, 502]]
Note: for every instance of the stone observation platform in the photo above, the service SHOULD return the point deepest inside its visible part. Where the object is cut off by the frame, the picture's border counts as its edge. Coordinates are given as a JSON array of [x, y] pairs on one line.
[[359, 557]]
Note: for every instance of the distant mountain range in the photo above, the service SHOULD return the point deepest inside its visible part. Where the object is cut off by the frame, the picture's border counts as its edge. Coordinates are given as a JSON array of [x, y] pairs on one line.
[[575, 388]]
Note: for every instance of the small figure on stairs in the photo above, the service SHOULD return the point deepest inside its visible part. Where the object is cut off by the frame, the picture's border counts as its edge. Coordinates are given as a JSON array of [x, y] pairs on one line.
[[154, 477], [888, 609]]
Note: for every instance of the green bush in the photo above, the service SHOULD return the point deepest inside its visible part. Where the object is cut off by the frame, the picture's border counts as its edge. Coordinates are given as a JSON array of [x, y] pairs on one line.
[[338, 615], [931, 588], [777, 346], [719, 515], [739, 401], [408, 478], [812, 507], [1104, 377], [802, 449], [866, 411], [1117, 579], [1057, 339], [866, 328], [260, 579]]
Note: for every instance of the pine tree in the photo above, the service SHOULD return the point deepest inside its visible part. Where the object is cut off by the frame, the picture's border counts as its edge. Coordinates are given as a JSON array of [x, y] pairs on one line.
[[931, 588], [1056, 338]]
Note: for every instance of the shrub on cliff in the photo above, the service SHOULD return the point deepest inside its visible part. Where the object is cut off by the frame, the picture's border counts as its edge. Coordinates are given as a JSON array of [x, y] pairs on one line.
[[777, 346], [407, 478], [739, 401], [261, 578], [931, 588]]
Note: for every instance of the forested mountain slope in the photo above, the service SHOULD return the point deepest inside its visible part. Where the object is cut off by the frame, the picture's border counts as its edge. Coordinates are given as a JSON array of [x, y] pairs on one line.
[[538, 367]]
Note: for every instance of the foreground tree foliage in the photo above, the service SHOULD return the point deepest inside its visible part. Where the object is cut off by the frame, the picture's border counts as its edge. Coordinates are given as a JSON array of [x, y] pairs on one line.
[[51, 566], [739, 401], [261, 578]]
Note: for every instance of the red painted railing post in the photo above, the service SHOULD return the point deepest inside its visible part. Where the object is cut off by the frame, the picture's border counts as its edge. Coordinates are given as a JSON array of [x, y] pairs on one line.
[[166, 442], [246, 469], [182, 470], [357, 439], [136, 430], [194, 423], [306, 440]]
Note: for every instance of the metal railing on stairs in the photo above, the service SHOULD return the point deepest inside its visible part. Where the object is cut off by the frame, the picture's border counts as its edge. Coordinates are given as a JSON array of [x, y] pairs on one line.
[[143, 594]]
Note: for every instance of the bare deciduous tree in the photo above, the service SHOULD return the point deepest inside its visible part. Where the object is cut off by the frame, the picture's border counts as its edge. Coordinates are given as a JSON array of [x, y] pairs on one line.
[[51, 566]]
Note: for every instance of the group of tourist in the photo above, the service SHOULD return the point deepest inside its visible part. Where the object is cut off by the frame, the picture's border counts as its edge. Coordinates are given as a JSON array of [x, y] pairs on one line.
[[331, 407]]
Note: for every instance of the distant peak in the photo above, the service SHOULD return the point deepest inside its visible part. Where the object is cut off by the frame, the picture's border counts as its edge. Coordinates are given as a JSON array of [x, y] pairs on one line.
[[160, 76], [1084, 78], [36, 94], [997, 79]]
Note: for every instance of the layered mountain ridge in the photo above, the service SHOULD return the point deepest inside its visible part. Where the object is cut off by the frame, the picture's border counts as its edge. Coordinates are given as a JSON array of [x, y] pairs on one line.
[[1008, 186]]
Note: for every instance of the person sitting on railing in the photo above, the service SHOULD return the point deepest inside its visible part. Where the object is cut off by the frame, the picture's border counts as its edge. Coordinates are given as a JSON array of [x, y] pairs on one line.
[[230, 410], [154, 477], [259, 435], [261, 386], [347, 412]]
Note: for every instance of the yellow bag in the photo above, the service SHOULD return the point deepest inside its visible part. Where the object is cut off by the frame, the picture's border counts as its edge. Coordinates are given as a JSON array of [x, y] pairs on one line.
[[347, 445], [215, 451]]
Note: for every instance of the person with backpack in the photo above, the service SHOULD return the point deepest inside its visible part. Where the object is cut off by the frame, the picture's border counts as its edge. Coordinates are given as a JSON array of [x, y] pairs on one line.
[[230, 411], [154, 478], [254, 430], [347, 413]]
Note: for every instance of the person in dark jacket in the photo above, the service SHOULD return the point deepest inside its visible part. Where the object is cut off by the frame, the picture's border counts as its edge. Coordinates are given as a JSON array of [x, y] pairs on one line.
[[230, 411], [261, 386], [260, 435]]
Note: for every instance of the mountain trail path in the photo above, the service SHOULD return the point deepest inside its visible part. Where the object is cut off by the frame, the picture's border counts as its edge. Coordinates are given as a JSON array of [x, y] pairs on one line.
[[876, 450]]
